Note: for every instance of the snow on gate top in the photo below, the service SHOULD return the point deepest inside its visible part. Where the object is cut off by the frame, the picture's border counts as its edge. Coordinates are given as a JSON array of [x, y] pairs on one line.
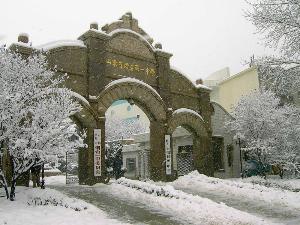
[[131, 80]]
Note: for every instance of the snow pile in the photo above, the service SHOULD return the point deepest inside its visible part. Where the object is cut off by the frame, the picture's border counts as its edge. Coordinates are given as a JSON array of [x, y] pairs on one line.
[[185, 208], [285, 184], [244, 191], [55, 180], [48, 207]]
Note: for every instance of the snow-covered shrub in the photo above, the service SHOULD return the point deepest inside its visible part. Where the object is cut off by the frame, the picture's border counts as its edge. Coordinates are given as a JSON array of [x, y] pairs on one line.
[[50, 200]]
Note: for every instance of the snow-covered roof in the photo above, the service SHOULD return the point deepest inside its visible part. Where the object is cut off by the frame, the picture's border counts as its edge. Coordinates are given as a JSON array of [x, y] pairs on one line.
[[130, 148], [131, 80], [61, 43], [238, 74]]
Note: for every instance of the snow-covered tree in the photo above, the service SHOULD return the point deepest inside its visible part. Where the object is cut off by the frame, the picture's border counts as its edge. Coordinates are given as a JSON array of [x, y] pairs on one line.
[[117, 128], [270, 131], [34, 112], [278, 21], [287, 151], [114, 157]]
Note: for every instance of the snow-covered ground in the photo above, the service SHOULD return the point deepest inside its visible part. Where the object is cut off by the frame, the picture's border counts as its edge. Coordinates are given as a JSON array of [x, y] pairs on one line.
[[275, 182], [184, 207], [55, 180], [273, 203], [244, 190], [49, 207], [191, 199]]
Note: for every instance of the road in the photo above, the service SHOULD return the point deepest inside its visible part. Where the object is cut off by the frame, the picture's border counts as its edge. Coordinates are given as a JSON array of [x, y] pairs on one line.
[[120, 209]]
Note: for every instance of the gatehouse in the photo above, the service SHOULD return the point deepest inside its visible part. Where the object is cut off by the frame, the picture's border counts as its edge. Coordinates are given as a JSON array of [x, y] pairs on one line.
[[121, 61]]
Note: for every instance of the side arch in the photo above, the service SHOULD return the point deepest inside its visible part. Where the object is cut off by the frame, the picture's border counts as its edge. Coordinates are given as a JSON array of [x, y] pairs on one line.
[[87, 117], [188, 119], [141, 93], [194, 123]]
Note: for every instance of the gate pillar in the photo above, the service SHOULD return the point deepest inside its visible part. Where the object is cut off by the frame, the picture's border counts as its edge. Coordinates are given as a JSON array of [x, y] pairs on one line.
[[87, 156], [202, 155], [157, 150]]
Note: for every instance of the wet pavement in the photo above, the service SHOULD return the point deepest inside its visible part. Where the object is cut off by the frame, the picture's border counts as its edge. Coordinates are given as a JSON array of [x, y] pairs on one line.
[[117, 208]]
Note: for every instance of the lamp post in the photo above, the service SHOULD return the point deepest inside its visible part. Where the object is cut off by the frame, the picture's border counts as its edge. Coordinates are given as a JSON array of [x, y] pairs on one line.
[[43, 177], [238, 142]]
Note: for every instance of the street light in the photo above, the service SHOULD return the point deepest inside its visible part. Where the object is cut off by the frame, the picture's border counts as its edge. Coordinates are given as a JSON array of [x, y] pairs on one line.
[[43, 177], [238, 142]]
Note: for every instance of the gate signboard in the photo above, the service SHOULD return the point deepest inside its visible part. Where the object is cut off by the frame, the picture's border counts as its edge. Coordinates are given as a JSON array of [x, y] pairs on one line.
[[168, 155], [97, 152]]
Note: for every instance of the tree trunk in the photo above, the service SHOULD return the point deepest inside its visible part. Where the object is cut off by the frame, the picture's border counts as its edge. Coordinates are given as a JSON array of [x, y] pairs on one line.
[[6, 191], [4, 183], [13, 190]]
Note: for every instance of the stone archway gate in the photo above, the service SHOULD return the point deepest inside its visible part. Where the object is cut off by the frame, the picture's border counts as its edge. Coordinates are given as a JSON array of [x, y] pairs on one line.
[[121, 62]]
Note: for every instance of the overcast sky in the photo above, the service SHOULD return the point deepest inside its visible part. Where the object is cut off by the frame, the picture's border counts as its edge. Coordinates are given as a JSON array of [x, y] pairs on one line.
[[203, 35]]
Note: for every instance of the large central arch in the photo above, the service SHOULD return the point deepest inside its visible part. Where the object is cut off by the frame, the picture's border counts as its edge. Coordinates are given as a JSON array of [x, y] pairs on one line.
[[151, 103], [141, 93]]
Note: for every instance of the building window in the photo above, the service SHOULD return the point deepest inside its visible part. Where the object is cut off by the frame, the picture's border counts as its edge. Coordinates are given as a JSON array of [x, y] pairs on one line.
[[130, 165], [217, 145]]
